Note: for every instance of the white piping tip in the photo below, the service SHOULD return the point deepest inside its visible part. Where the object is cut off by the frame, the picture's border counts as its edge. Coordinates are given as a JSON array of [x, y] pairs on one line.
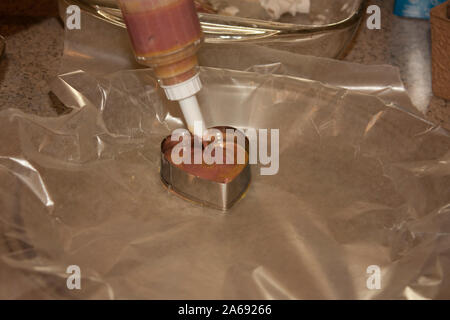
[[193, 115]]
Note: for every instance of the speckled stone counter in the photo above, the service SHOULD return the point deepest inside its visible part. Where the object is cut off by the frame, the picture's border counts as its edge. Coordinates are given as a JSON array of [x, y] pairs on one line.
[[35, 44], [405, 43], [33, 53]]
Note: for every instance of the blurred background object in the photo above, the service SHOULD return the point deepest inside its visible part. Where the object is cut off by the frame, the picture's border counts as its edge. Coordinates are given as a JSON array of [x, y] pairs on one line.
[[325, 29], [440, 33], [415, 8]]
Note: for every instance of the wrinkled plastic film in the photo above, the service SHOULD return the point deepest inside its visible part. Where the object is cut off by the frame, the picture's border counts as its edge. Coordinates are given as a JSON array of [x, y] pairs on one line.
[[361, 182]]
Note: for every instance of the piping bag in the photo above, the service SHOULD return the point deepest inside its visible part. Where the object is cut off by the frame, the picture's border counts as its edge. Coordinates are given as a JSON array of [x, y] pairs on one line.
[[166, 35]]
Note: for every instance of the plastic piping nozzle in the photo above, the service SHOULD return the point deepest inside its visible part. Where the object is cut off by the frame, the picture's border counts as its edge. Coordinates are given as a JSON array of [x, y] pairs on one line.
[[184, 93]]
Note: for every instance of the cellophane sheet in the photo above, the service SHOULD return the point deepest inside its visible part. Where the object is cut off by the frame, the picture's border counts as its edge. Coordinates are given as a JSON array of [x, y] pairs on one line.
[[359, 209]]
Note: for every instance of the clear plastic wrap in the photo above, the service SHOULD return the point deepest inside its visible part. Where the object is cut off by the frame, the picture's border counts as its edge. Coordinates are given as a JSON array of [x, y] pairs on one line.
[[362, 182]]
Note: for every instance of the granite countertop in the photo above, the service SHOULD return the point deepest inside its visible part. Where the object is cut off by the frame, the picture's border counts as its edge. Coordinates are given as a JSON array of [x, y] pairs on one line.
[[35, 42]]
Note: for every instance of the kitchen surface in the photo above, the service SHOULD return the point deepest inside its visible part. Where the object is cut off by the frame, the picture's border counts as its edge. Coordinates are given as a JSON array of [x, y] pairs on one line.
[[35, 41]]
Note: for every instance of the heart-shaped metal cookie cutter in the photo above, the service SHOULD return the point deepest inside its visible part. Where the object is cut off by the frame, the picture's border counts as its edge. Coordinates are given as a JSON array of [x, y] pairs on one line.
[[218, 195]]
